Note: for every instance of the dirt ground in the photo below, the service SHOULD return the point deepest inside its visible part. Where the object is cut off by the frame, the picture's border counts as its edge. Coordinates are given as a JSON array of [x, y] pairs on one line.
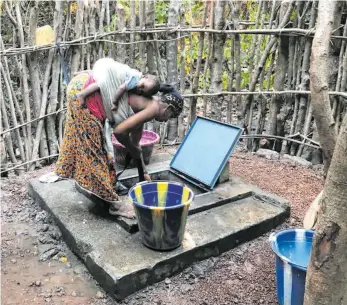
[[38, 268]]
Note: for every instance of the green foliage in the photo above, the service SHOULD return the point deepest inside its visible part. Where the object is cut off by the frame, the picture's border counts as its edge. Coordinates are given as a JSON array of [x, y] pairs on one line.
[[126, 6], [293, 15], [193, 12], [161, 11], [244, 78], [225, 80]]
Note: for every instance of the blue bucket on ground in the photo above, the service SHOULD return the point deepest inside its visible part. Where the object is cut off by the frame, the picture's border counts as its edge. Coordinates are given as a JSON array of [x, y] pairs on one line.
[[292, 248], [161, 209]]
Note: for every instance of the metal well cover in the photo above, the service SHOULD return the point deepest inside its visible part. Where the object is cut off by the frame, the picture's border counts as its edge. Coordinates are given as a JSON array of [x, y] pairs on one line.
[[205, 150]]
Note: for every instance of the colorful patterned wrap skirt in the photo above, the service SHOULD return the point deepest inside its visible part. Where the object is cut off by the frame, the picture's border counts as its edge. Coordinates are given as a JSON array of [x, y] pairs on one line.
[[82, 155]]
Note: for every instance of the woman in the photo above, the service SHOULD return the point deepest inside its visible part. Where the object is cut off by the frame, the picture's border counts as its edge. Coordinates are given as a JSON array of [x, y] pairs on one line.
[[86, 154]]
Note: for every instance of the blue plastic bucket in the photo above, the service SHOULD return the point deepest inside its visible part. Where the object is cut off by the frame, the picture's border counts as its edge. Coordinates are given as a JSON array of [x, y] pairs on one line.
[[161, 210], [292, 248]]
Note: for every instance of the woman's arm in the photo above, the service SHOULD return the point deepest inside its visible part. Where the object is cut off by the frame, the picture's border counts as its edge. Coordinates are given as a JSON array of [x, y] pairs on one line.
[[123, 130], [136, 136]]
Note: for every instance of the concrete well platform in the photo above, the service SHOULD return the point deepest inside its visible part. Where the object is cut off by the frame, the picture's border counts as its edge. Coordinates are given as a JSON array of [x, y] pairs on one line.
[[111, 248]]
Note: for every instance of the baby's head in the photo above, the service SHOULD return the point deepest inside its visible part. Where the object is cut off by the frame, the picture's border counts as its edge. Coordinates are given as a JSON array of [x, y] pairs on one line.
[[148, 85]]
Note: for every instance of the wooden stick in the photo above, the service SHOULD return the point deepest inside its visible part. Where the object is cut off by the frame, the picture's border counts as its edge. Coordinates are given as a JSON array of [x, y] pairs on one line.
[[40, 126], [132, 35], [78, 28], [28, 162], [142, 46], [32, 121], [195, 83], [295, 92], [91, 39], [209, 54], [5, 122], [6, 80], [263, 59], [263, 136]]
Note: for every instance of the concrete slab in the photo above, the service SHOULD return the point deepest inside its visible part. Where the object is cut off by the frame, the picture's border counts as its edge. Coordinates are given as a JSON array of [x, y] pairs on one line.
[[118, 260]]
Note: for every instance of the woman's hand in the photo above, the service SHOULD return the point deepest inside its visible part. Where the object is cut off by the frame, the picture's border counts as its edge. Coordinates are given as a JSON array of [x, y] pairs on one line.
[[80, 72], [81, 100], [147, 178]]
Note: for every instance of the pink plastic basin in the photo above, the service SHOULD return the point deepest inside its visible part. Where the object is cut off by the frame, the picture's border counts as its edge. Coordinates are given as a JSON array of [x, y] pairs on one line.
[[147, 142]]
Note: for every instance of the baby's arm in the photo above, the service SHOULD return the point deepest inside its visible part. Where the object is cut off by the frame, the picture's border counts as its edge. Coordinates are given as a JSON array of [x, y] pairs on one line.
[[118, 95], [86, 92]]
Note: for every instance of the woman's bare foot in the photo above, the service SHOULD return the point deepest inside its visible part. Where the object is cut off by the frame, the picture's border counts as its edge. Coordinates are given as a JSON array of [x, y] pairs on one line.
[[122, 209]]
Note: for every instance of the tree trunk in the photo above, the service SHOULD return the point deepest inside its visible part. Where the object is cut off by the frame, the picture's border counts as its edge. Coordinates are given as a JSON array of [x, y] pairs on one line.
[[171, 55], [319, 86], [217, 60], [326, 273]]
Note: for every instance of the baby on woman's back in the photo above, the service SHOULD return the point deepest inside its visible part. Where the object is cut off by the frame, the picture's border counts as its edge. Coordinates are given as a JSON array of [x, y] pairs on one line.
[[113, 79]]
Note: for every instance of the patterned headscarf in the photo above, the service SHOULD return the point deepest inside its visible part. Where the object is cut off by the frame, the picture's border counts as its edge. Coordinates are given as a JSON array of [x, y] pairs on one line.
[[173, 98]]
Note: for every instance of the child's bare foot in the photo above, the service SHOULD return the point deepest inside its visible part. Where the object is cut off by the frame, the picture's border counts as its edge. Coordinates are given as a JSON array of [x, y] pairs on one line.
[[122, 209]]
